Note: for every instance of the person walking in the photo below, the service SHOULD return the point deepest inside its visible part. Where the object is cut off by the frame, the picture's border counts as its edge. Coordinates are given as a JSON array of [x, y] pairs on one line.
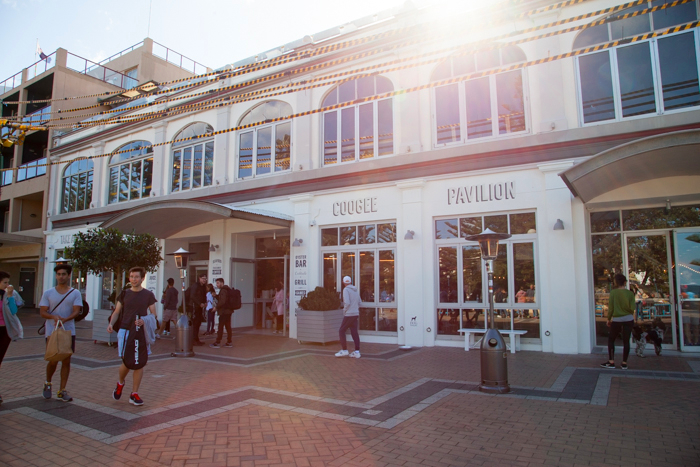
[[134, 302], [621, 309], [170, 296], [61, 303], [196, 301], [225, 309], [211, 309], [8, 308], [351, 312], [278, 308]]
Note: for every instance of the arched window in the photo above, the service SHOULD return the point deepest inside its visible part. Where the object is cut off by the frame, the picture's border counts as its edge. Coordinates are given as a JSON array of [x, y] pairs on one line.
[[484, 107], [193, 161], [131, 172], [256, 153], [643, 78], [77, 186], [362, 131]]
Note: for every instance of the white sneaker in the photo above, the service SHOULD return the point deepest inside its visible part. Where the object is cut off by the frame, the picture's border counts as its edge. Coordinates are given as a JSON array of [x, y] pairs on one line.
[[342, 353], [355, 354]]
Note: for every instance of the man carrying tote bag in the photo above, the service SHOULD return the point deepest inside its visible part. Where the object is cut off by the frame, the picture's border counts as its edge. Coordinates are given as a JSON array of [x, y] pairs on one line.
[[59, 306]]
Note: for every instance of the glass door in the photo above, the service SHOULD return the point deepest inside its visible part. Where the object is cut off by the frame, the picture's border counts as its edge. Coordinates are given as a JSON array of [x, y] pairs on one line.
[[687, 244], [648, 264]]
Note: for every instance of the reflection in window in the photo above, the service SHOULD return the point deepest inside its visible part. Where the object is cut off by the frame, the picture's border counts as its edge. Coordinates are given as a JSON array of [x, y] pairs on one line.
[[366, 233], [366, 276], [131, 172], [348, 266], [447, 273], [330, 271], [77, 186], [596, 87], [446, 228], [193, 161], [636, 81], [348, 235], [496, 223], [329, 237], [387, 291], [472, 288], [679, 71], [606, 252], [265, 149]]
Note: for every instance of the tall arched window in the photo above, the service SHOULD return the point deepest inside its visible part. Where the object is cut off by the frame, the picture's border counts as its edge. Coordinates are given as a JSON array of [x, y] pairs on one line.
[[256, 153], [362, 131], [642, 78], [484, 107], [131, 172], [77, 186], [193, 161]]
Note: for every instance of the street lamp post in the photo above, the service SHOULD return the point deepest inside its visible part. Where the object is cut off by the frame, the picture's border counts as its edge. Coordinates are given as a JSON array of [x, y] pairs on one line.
[[494, 363], [184, 342]]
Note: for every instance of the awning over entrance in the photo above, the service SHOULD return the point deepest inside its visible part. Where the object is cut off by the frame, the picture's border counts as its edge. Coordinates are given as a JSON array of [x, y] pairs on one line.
[[668, 155], [165, 218]]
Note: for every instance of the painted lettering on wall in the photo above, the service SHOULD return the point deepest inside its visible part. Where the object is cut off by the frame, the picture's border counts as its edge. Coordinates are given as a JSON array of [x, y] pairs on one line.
[[300, 270], [355, 206], [66, 239], [479, 193]]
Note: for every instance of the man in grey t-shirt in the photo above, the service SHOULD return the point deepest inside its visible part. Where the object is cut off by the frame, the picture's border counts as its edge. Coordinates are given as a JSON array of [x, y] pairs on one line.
[[61, 303]]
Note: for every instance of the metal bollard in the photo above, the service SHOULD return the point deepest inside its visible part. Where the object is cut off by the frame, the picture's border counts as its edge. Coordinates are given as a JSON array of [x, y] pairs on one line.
[[183, 342], [494, 363]]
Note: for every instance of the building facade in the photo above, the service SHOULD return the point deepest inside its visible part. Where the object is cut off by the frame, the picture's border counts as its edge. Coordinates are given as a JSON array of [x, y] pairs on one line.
[[374, 149]]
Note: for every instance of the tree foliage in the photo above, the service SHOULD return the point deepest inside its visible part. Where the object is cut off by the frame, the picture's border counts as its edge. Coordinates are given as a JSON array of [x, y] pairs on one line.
[[99, 250]]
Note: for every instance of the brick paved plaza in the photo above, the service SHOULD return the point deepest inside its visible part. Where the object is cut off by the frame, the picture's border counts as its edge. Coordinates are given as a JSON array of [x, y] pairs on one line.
[[271, 401]]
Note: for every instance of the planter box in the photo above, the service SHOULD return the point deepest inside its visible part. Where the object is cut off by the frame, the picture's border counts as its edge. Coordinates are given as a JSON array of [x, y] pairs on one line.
[[318, 326], [100, 319]]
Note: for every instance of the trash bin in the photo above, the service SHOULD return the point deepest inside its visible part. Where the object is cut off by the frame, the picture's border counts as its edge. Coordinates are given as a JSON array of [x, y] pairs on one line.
[[494, 363], [183, 341]]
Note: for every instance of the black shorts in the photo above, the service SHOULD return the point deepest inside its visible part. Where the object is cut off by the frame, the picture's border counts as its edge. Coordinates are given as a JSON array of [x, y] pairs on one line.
[[72, 345]]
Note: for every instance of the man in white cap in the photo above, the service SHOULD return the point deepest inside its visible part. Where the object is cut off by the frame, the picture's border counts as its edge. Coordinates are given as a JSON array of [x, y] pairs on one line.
[[351, 310]]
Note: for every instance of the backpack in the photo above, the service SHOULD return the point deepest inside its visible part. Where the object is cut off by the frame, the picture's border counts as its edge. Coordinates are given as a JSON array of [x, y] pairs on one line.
[[83, 312], [235, 302], [135, 351]]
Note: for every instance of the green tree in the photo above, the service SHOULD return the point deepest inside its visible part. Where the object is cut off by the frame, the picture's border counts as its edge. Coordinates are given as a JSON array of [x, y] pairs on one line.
[[100, 250]]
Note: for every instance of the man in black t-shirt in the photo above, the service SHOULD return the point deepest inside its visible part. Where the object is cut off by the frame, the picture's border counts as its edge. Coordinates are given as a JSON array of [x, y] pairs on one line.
[[134, 302], [196, 300]]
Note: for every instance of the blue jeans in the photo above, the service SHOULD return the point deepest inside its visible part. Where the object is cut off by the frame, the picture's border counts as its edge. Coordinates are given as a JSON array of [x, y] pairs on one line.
[[210, 321], [349, 322]]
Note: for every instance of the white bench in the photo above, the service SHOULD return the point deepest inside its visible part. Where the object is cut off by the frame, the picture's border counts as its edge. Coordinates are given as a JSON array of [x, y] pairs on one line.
[[469, 342]]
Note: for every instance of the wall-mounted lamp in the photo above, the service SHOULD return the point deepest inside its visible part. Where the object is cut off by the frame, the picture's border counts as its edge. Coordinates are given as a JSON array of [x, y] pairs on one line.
[[668, 206], [50, 247], [297, 242], [213, 247], [409, 235], [559, 225]]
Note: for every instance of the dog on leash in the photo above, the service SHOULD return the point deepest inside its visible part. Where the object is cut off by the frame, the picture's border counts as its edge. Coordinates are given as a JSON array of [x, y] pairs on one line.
[[652, 333]]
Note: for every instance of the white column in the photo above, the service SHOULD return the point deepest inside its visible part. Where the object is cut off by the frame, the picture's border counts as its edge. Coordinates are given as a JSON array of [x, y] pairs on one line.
[[100, 177], [161, 161], [415, 306], [224, 166], [305, 266]]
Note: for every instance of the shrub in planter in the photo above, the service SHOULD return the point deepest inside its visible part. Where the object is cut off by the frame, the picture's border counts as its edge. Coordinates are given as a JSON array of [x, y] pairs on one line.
[[319, 316], [320, 299]]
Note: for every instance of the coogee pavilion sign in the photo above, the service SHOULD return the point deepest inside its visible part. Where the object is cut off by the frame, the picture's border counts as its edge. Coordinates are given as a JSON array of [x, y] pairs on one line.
[[355, 206], [480, 193]]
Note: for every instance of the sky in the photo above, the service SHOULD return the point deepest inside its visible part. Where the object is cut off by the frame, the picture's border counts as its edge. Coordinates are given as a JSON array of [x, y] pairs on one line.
[[213, 33]]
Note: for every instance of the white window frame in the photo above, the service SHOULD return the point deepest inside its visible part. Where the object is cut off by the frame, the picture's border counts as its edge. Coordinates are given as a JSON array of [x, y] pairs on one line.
[[273, 150], [130, 161], [203, 142], [64, 205]]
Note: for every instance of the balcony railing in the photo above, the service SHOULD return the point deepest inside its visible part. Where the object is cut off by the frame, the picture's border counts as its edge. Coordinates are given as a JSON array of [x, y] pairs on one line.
[[6, 177], [119, 54], [38, 116], [31, 169], [41, 66], [87, 67], [180, 60], [11, 83]]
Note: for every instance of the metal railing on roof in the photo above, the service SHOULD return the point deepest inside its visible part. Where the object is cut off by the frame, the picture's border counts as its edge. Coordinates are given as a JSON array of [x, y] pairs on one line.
[[11, 83], [119, 54], [90, 68], [170, 56]]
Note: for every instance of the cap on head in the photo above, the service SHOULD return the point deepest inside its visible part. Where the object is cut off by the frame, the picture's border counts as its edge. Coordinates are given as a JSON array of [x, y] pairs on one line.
[[347, 280]]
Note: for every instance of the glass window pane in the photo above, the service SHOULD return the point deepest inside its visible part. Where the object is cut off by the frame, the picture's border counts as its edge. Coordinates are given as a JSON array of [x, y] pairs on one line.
[[630, 26], [197, 166], [479, 122], [330, 138], [463, 64], [367, 276], [366, 115], [368, 319], [636, 81], [447, 270], [511, 109], [658, 218], [186, 168], [606, 252], [386, 233], [523, 223], [267, 111], [347, 135], [607, 221], [65, 197], [442, 71], [496, 223], [82, 185], [177, 165], [208, 163], [346, 91], [283, 146], [113, 184], [471, 274], [524, 271], [124, 177], [147, 183], [331, 98], [487, 59], [383, 84], [469, 226], [366, 234], [73, 199], [448, 322], [245, 155], [387, 292], [135, 180], [387, 319], [385, 126], [264, 155], [88, 195], [329, 237], [596, 87], [500, 275], [512, 54], [330, 271], [672, 16], [365, 87], [348, 235], [679, 71], [473, 319], [590, 36], [447, 114], [347, 265], [446, 228]]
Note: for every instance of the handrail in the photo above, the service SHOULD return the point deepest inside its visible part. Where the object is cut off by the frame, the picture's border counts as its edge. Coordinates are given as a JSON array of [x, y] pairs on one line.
[[178, 59], [97, 71], [119, 54], [11, 83], [31, 169]]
